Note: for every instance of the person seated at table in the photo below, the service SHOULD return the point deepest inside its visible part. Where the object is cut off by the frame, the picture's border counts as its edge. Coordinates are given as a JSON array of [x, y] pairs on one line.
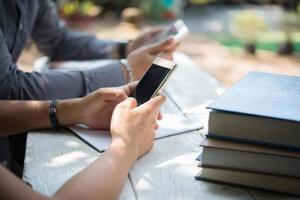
[[132, 129], [38, 20]]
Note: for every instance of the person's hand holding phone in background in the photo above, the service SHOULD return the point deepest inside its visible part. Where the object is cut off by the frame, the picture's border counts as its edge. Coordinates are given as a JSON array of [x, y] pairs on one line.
[[143, 39], [161, 42], [140, 59]]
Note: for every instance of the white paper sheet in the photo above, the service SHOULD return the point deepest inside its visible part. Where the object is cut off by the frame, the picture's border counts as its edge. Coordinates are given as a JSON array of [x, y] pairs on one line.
[[173, 122]]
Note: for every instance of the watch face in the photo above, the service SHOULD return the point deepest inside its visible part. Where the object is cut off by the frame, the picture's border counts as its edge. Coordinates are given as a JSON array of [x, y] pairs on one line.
[[52, 110]]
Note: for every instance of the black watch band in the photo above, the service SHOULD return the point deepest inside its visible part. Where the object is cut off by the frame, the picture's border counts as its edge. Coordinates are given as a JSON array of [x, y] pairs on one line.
[[52, 114], [122, 49]]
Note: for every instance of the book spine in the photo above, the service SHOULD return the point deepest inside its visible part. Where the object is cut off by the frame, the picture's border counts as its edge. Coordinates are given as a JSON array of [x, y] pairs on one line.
[[248, 141], [254, 129], [250, 180], [199, 178]]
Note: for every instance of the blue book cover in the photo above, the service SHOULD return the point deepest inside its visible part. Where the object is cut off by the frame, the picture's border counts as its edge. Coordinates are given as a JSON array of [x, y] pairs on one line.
[[263, 94]]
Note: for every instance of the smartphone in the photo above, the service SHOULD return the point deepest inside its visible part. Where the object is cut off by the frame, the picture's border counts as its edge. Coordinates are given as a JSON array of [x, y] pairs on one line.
[[153, 80], [178, 30]]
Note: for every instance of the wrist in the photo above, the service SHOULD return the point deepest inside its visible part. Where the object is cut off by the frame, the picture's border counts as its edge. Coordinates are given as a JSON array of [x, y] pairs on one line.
[[68, 112], [127, 70], [129, 47], [126, 148]]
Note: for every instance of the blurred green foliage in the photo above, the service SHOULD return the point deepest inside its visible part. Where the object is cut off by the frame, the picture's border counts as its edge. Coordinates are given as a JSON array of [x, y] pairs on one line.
[[269, 41], [247, 25], [79, 7], [93, 7], [162, 9], [155, 8]]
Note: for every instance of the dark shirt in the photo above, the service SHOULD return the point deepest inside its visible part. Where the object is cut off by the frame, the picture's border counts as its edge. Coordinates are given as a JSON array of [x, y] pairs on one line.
[[38, 20]]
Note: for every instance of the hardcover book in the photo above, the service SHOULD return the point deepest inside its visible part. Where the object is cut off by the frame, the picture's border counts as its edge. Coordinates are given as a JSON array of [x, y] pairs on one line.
[[261, 108]]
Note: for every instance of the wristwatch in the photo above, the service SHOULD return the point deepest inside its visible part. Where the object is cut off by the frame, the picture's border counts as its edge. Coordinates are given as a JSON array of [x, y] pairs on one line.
[[53, 114], [122, 49]]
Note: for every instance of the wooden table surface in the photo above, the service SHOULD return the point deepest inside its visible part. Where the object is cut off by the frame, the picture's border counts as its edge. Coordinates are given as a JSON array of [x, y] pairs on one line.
[[166, 172]]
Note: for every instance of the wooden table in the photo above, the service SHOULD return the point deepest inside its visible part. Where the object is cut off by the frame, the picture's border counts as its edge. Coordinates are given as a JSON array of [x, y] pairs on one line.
[[166, 172]]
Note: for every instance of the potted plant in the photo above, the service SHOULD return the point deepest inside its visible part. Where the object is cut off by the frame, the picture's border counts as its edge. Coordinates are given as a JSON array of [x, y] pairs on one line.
[[291, 22], [78, 12], [163, 9], [246, 26]]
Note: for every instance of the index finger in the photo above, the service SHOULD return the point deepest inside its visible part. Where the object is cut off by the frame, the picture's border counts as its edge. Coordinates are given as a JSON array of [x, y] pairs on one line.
[[111, 94]]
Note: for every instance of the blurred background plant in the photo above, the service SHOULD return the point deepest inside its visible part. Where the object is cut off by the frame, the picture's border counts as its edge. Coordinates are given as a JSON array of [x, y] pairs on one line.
[[158, 9], [78, 11], [83, 8], [163, 9], [246, 26], [290, 24]]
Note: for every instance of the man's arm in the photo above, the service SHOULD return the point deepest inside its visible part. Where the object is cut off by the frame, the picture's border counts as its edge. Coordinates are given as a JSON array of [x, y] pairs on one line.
[[133, 133], [103, 179], [55, 40], [16, 84], [93, 110], [19, 116]]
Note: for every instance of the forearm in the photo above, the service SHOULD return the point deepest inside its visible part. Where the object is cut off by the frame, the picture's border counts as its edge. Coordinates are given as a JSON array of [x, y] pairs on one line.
[[11, 188], [104, 179], [71, 45], [18, 85], [20, 116]]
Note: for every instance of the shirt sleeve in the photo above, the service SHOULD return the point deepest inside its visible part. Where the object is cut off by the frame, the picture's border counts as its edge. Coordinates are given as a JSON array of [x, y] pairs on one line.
[[55, 40], [16, 84]]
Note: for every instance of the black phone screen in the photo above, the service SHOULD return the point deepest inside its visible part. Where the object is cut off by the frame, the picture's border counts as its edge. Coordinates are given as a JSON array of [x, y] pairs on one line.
[[149, 83]]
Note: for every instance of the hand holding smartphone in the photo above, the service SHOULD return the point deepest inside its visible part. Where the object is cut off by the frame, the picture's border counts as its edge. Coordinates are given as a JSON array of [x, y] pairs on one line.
[[153, 80], [178, 30]]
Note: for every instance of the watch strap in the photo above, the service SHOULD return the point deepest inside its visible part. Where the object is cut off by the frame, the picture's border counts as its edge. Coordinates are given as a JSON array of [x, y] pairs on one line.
[[122, 49], [53, 114]]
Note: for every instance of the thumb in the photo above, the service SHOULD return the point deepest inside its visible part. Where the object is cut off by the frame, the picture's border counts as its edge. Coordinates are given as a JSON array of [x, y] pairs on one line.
[[130, 103], [113, 94], [161, 46], [157, 101]]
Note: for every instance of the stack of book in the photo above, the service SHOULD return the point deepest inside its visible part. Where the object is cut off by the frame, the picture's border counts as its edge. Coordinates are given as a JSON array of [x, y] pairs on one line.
[[253, 135]]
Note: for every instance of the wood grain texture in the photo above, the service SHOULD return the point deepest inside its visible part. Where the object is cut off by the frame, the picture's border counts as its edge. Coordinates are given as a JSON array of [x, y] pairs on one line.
[[168, 170], [53, 157]]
